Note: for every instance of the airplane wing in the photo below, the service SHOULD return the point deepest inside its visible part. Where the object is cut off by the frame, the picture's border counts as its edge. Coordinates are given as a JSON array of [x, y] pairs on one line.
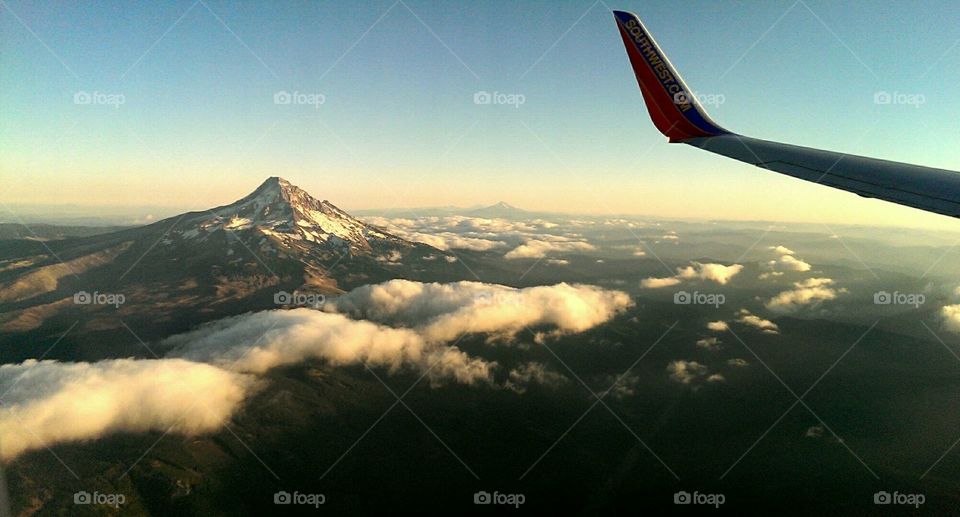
[[680, 117]]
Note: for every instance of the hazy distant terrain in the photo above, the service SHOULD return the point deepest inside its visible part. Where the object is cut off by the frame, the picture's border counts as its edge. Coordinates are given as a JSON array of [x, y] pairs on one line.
[[410, 360]]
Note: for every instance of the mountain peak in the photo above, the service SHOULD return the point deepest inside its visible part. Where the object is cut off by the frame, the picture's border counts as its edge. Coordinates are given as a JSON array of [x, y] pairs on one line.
[[273, 185], [499, 209], [284, 213]]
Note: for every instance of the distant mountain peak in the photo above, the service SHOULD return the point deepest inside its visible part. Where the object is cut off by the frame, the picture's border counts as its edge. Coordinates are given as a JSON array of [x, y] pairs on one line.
[[499, 209]]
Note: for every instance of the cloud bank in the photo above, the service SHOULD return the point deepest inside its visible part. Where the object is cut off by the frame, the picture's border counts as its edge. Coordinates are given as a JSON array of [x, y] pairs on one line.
[[209, 371], [50, 402], [951, 317], [536, 248], [752, 320], [685, 372], [807, 292], [718, 273], [443, 312]]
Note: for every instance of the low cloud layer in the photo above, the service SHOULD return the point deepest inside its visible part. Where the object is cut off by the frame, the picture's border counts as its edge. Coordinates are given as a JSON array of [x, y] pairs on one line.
[[529, 239], [532, 373], [685, 372], [443, 312], [804, 293], [718, 273], [786, 262], [50, 402], [261, 341], [208, 372], [951, 317], [718, 326], [709, 343], [536, 248], [752, 320]]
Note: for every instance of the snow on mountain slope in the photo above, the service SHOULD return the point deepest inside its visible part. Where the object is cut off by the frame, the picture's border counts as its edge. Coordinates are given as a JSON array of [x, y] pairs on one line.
[[289, 216]]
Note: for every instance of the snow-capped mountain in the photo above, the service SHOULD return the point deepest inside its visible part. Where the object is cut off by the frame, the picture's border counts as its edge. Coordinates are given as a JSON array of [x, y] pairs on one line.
[[288, 217], [206, 264], [500, 209]]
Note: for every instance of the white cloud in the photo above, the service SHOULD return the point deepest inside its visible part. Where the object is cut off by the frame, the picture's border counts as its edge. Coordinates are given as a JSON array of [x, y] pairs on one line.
[[716, 378], [710, 343], [433, 231], [519, 379], [657, 283], [765, 326], [207, 372], [411, 323], [260, 341], [718, 273], [443, 312], [473, 233], [50, 402], [392, 258], [718, 326], [951, 317], [806, 292], [685, 372], [737, 362], [557, 262], [620, 386], [786, 262], [790, 263], [448, 240], [538, 248]]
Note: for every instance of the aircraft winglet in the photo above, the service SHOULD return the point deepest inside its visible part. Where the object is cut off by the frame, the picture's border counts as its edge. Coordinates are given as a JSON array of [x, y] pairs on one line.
[[677, 114], [671, 104]]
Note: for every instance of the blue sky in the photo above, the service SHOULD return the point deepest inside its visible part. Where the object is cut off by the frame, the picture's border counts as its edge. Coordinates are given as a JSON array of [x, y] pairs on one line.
[[398, 125]]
